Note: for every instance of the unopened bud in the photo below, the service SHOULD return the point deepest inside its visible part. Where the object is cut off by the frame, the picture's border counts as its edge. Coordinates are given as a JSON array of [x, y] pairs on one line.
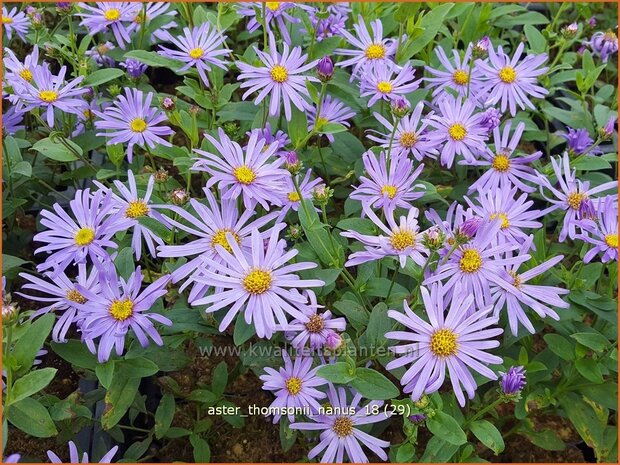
[[169, 103], [481, 48], [400, 107], [178, 196], [570, 31], [161, 176], [325, 69]]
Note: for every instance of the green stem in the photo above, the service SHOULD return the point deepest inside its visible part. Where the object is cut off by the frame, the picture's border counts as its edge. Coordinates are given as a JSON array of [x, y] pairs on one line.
[[487, 409], [389, 293], [9, 369], [142, 26]]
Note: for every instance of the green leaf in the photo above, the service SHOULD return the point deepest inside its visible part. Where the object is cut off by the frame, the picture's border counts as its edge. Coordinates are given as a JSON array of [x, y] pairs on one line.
[[333, 128], [356, 314], [23, 167], [538, 43], [446, 427], [590, 370], [314, 94], [546, 439], [154, 59], [102, 76], [202, 452], [156, 227], [243, 331], [438, 451], [124, 262], [405, 453], [118, 399], [430, 24], [288, 436], [318, 237], [116, 153], [9, 262], [139, 367], [76, 353], [587, 422], [202, 395], [220, 379], [378, 324], [105, 373], [592, 164], [339, 372], [56, 150], [594, 341], [560, 346], [164, 415], [27, 346], [373, 385], [32, 418], [298, 126], [30, 384], [488, 435]]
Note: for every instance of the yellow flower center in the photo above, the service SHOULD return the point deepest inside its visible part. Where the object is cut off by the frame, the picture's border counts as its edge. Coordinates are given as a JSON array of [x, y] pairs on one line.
[[315, 324], [279, 73], [75, 296], [612, 240], [88, 114], [321, 121], [402, 239], [375, 52], [501, 163], [196, 53], [273, 6], [389, 190], [6, 20], [293, 196], [136, 208], [443, 343], [49, 96], [343, 427], [121, 309], [26, 74], [610, 36], [503, 217], [103, 49], [460, 77], [516, 279], [293, 385], [408, 139], [257, 281], [471, 261], [84, 236], [384, 87], [244, 174], [507, 74], [137, 125], [219, 238], [457, 131], [112, 14], [574, 200]]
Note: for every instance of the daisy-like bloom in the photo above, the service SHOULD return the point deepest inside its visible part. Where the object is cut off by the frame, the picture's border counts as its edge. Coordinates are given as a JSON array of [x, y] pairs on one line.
[[539, 298], [331, 26], [391, 187], [571, 194], [459, 221], [458, 128], [370, 49], [199, 48], [578, 141], [12, 121], [266, 133], [509, 81], [118, 307], [132, 120], [504, 170], [277, 13], [104, 15], [247, 172], [476, 265], [410, 138], [603, 231], [491, 117], [387, 82], [18, 73], [281, 78], [74, 456], [294, 385], [49, 92], [513, 381], [339, 424], [514, 213], [603, 44], [153, 10], [99, 53], [456, 341], [134, 68], [72, 240], [399, 240], [63, 296], [259, 283], [14, 22], [332, 111], [290, 196], [314, 329], [457, 75]]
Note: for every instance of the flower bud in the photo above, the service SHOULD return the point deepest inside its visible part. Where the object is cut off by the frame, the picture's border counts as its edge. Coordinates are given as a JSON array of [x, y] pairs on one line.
[[134, 68], [169, 103], [114, 90], [417, 418], [292, 162], [512, 382], [321, 194], [161, 176], [570, 31], [295, 232], [587, 210], [433, 239], [468, 229], [607, 131], [63, 7], [325, 69], [178, 196], [400, 107], [422, 402], [231, 129], [333, 341], [491, 119], [592, 22], [481, 48], [194, 110]]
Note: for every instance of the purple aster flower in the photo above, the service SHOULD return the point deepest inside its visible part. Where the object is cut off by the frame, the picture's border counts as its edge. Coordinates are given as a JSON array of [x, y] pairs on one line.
[[400, 106], [578, 141], [370, 49], [266, 133], [49, 92], [608, 130], [510, 82], [458, 128], [399, 240], [481, 48], [457, 75], [410, 138], [247, 172], [340, 424], [99, 53], [281, 78], [331, 26], [504, 170], [294, 385], [517, 294], [313, 329], [277, 13], [134, 68], [571, 193], [63, 297], [259, 283], [74, 456], [72, 240], [154, 10], [387, 82], [106, 15], [457, 342], [514, 213], [15, 22], [603, 44], [513, 381], [132, 119], [459, 221], [603, 231], [290, 196], [325, 68], [12, 121], [18, 74], [491, 118], [118, 307], [474, 266], [469, 227], [332, 111], [199, 48], [388, 187]]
